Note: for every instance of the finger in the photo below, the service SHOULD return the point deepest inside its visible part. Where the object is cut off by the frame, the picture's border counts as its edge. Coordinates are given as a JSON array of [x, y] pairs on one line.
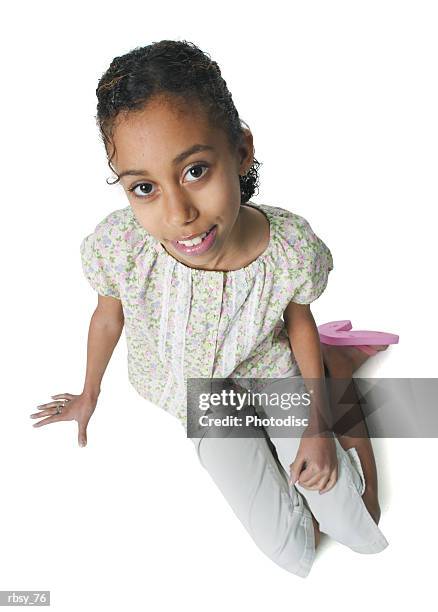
[[318, 481], [316, 485], [313, 487], [331, 482], [50, 419], [48, 405], [323, 483], [62, 396], [295, 469], [309, 477], [47, 412]]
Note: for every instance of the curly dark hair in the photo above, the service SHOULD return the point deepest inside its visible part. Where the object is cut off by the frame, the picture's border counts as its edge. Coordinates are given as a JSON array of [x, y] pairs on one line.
[[176, 70]]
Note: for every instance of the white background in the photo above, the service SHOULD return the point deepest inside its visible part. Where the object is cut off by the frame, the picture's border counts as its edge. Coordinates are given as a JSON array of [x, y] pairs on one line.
[[342, 100]]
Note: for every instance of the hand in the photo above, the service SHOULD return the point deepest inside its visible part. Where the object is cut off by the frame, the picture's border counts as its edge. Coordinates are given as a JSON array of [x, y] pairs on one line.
[[317, 458], [77, 407]]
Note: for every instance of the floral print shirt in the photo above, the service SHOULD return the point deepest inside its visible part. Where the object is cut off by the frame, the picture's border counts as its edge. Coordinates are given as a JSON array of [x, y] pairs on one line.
[[183, 322]]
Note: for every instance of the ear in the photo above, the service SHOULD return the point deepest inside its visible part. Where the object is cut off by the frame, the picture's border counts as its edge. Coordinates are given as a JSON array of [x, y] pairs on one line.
[[245, 151]]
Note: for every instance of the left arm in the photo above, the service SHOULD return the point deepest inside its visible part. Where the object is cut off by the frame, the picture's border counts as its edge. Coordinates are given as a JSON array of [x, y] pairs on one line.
[[318, 453], [306, 346]]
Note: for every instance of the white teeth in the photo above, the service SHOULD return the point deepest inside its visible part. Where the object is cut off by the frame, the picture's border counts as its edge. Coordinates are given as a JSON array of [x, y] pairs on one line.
[[193, 241]]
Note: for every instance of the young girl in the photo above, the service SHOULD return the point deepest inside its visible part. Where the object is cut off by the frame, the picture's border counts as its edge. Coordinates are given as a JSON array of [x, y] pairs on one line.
[[200, 277]]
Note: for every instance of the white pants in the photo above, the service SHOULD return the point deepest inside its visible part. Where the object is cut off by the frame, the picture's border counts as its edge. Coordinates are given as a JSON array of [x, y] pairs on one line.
[[277, 515]]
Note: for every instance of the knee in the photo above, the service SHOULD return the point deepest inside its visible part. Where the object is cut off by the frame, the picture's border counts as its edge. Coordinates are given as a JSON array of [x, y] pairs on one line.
[[293, 550]]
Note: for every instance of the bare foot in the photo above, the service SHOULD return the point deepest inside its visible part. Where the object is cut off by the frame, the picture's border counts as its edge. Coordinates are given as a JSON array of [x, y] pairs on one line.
[[346, 358], [316, 531]]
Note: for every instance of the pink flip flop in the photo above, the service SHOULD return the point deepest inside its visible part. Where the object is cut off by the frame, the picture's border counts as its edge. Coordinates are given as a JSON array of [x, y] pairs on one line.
[[338, 333]]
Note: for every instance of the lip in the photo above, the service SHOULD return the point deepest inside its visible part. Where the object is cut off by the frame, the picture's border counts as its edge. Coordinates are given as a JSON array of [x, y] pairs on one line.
[[193, 235], [198, 249]]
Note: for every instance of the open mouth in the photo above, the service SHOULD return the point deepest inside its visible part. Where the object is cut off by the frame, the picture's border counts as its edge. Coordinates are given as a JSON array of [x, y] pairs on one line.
[[198, 245], [197, 240]]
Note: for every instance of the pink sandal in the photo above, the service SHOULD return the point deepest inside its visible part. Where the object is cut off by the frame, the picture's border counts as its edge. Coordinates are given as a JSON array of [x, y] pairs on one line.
[[338, 333]]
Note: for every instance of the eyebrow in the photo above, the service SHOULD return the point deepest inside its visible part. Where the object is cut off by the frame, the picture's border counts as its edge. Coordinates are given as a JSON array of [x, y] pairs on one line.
[[196, 148]]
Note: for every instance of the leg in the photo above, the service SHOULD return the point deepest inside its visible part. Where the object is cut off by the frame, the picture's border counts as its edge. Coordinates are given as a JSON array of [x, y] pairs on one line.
[[250, 478], [341, 362], [349, 357], [341, 512]]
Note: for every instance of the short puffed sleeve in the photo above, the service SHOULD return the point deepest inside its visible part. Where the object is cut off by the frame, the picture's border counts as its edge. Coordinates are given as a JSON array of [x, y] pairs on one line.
[[100, 252], [313, 261]]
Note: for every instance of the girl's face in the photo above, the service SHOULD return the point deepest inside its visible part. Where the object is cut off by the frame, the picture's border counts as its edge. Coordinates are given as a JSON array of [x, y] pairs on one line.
[[182, 179]]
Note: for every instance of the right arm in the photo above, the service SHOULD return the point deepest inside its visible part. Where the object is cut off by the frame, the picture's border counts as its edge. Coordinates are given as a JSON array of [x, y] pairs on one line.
[[105, 329]]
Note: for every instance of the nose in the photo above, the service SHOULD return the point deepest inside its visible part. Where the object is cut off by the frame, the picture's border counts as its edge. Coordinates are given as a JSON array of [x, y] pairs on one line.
[[179, 213]]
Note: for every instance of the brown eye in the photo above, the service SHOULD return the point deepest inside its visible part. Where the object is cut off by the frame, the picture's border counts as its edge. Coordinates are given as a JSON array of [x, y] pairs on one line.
[[196, 170], [143, 192]]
